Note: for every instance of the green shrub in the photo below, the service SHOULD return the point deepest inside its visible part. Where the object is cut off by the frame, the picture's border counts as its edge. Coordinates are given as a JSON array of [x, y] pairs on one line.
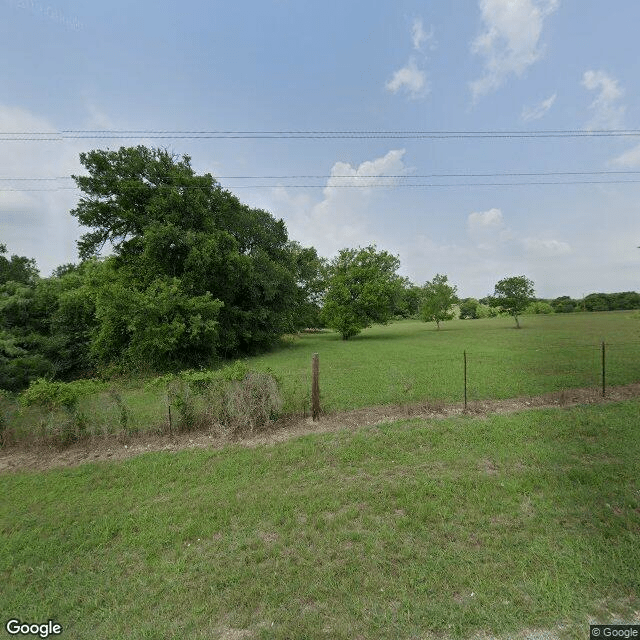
[[199, 380], [468, 309], [539, 307], [485, 311], [58, 395]]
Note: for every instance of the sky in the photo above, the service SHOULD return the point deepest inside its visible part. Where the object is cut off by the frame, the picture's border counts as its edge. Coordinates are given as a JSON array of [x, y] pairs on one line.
[[297, 65]]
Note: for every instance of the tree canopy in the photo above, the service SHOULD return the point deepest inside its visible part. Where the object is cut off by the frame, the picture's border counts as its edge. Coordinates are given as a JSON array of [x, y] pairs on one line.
[[362, 289], [179, 236], [512, 295], [438, 300], [17, 268]]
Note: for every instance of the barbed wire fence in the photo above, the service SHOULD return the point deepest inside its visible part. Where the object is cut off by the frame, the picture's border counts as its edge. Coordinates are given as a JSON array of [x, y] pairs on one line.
[[474, 375]]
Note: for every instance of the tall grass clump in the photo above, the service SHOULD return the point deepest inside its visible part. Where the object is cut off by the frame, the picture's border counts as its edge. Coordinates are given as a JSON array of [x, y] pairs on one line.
[[64, 423], [233, 400], [250, 404]]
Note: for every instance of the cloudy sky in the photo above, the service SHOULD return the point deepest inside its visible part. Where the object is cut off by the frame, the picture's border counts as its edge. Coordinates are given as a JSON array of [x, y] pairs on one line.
[[298, 65]]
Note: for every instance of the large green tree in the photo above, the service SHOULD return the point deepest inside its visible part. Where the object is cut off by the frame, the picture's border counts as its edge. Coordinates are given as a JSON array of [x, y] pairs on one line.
[[171, 230], [438, 300], [362, 289], [512, 295], [311, 279]]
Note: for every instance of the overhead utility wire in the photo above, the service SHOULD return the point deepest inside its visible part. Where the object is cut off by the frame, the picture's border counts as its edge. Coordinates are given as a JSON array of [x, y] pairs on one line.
[[361, 177], [388, 186], [108, 134]]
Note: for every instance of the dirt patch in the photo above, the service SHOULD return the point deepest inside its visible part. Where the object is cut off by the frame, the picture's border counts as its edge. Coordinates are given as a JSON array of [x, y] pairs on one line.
[[105, 449]]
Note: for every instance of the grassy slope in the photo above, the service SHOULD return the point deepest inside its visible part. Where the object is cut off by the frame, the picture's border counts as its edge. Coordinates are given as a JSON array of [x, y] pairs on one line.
[[497, 524]]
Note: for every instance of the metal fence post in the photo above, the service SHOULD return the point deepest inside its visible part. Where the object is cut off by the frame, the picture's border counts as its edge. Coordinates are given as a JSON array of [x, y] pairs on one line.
[[603, 369], [315, 387], [465, 379]]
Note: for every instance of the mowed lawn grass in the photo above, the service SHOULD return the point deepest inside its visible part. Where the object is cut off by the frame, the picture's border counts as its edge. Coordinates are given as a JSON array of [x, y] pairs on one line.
[[389, 532], [409, 361]]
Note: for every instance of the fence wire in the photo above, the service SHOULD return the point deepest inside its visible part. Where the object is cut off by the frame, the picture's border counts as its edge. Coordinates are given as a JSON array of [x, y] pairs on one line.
[[528, 371]]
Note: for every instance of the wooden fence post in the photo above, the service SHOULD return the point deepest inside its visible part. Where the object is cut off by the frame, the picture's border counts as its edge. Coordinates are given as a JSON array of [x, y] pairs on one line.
[[315, 387]]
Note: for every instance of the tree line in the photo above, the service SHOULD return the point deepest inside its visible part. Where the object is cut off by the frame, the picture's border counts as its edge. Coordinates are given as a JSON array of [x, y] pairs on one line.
[[194, 276]]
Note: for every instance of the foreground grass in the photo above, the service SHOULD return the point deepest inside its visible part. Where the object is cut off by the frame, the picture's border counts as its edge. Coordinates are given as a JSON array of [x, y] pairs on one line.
[[393, 531]]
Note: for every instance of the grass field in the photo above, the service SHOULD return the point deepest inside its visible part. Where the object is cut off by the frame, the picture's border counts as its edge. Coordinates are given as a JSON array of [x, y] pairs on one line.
[[409, 361], [390, 532]]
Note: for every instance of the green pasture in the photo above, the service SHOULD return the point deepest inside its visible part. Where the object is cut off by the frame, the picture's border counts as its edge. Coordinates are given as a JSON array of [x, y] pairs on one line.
[[403, 362], [411, 361], [397, 531]]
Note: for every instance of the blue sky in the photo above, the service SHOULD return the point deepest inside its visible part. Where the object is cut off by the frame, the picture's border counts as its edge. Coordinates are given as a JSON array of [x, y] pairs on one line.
[[463, 65]]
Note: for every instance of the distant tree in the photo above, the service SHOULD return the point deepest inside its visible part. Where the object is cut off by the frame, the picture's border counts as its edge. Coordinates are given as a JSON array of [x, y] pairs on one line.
[[64, 269], [311, 277], [17, 268], [512, 295], [438, 299], [625, 300], [487, 311], [362, 289], [597, 302], [469, 309], [409, 300], [564, 304]]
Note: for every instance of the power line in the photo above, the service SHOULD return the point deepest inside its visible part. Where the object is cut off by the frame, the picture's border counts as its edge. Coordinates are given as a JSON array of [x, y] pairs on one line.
[[108, 134], [362, 177], [369, 186]]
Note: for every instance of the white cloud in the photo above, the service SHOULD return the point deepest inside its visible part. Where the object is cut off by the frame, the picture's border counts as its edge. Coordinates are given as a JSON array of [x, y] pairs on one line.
[[27, 217], [630, 158], [607, 112], [546, 248], [488, 231], [509, 42], [536, 112], [411, 79], [485, 219], [343, 217], [420, 37]]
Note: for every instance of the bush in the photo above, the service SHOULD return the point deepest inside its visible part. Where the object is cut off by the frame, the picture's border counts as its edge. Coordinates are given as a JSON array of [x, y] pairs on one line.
[[485, 311], [123, 412], [58, 395], [539, 307], [55, 397]]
